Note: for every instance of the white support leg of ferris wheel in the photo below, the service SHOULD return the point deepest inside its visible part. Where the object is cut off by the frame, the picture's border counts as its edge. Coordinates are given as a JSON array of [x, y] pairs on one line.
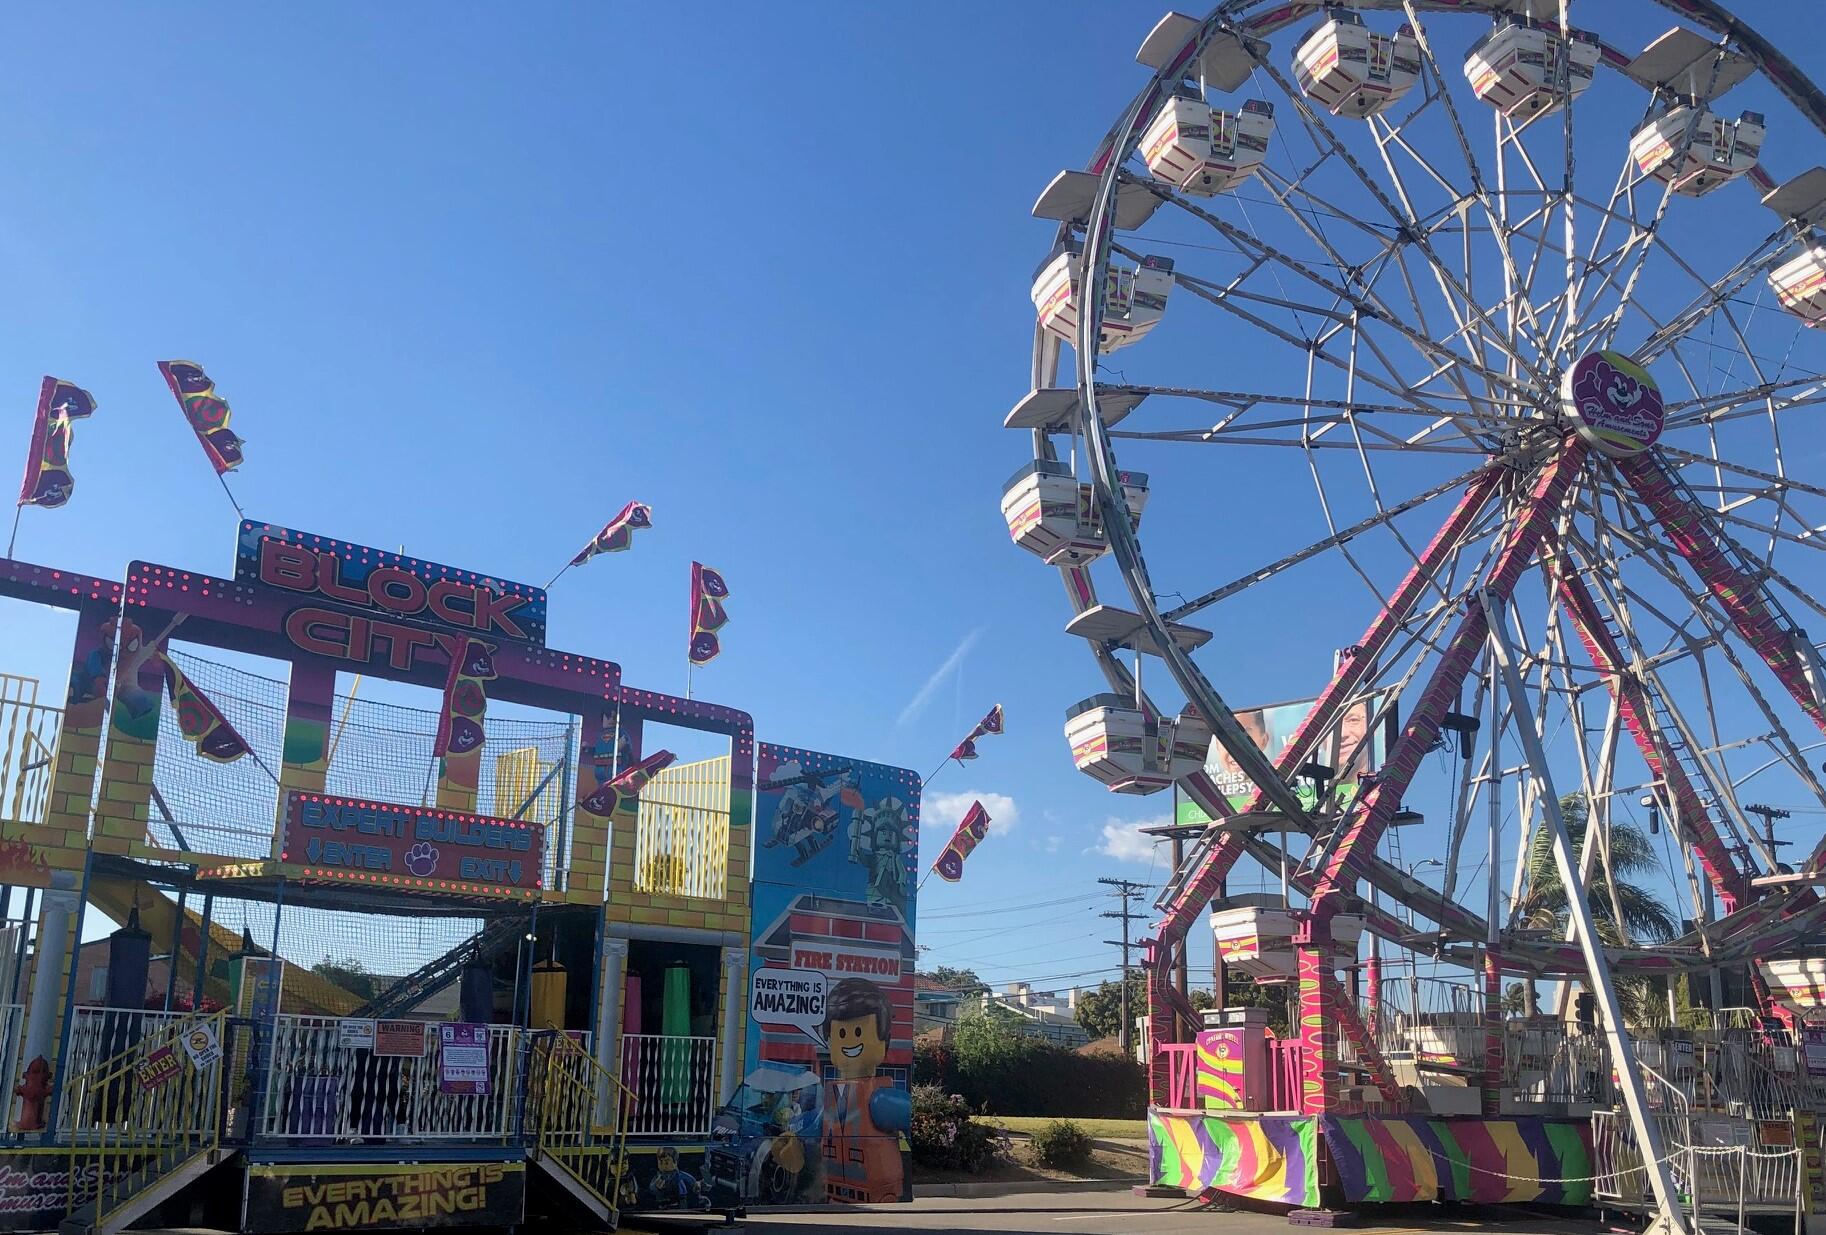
[[1668, 1219]]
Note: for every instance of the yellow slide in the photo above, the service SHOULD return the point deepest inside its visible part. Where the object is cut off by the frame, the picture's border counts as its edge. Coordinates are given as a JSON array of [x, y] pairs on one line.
[[116, 897]]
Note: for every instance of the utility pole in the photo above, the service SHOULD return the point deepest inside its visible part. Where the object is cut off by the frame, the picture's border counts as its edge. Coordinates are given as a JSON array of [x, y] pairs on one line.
[[1127, 890], [1769, 815]]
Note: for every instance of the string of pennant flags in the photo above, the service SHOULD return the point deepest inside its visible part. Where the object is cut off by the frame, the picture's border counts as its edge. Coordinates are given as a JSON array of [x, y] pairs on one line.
[[974, 827], [50, 481]]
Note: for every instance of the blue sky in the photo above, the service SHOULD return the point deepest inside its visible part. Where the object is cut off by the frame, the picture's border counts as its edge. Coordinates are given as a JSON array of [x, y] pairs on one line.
[[472, 278]]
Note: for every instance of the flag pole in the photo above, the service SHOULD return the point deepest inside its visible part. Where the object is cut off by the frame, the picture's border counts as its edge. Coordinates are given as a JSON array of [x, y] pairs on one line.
[[558, 576], [935, 772], [223, 480], [14, 538]]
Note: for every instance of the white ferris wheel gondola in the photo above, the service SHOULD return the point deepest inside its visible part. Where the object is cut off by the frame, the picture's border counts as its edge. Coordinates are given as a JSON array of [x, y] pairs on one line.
[[1130, 748], [1351, 70], [1694, 150], [1525, 67], [1206, 150], [1050, 514], [1134, 298]]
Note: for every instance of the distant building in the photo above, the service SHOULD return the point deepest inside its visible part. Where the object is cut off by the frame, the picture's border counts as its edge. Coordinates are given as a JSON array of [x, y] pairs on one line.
[[1048, 1014], [935, 1005]]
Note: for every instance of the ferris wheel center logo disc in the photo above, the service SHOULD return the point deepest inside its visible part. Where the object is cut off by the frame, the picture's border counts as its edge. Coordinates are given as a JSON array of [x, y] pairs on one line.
[[1613, 403]]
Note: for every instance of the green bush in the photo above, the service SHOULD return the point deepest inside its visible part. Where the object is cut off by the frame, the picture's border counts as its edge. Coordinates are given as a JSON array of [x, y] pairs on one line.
[[944, 1135], [1061, 1144], [998, 1068]]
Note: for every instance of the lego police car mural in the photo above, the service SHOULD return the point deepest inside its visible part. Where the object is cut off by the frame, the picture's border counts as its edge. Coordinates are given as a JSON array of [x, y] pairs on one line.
[[823, 1112]]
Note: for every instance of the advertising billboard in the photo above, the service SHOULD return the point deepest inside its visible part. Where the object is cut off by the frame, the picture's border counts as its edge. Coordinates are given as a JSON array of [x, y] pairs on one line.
[[1355, 747]]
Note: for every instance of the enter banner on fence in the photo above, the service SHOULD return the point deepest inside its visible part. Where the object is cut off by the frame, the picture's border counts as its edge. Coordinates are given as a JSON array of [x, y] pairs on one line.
[[1412, 1158], [1267, 1157], [365, 1197]]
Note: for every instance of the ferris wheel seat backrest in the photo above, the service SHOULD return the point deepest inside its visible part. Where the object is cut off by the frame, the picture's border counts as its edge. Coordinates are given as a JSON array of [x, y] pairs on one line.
[[1522, 69], [1351, 70]]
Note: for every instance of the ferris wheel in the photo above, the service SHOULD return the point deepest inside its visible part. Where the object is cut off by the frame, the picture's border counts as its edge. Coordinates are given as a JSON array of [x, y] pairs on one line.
[[1523, 323]]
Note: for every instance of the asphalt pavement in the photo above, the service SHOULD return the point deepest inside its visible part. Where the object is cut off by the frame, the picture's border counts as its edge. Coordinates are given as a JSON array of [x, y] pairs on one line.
[[1096, 1213]]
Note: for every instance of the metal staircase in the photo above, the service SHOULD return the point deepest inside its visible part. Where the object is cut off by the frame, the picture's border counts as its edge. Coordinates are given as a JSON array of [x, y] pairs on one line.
[[144, 1123], [439, 972], [578, 1115]]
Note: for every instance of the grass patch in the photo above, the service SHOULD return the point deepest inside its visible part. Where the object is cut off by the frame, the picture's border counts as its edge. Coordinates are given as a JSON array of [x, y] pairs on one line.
[[1097, 1129]]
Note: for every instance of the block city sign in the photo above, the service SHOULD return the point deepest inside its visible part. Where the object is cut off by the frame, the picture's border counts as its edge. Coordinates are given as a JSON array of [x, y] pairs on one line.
[[414, 847], [377, 603]]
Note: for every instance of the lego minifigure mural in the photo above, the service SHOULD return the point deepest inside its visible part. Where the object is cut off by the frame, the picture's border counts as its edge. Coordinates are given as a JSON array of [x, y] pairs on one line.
[[823, 1113]]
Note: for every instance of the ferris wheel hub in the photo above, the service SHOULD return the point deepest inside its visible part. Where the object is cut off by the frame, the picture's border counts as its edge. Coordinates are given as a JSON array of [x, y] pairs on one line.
[[1613, 403]]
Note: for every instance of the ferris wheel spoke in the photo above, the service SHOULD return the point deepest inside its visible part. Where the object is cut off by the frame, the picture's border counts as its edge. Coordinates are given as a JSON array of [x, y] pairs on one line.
[[1473, 331], [1263, 573], [1664, 737], [1364, 302], [1403, 220], [1708, 614], [1760, 400]]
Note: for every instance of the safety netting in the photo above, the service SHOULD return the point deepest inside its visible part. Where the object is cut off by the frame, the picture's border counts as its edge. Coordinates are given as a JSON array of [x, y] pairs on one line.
[[378, 751]]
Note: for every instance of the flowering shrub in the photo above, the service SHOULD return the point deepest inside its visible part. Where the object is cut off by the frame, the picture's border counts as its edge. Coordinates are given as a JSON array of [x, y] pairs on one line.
[[945, 1137]]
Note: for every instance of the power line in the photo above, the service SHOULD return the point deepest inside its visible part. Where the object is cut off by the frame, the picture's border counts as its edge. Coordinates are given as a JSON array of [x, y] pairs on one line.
[[978, 913]]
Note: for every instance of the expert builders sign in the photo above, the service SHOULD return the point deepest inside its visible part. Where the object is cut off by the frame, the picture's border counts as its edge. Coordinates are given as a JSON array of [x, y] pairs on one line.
[[366, 1197], [411, 846]]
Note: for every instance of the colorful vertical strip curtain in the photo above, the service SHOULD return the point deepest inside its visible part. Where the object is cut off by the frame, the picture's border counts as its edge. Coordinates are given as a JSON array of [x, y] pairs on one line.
[[1266, 1157], [617, 535], [970, 831], [48, 481], [1466, 1158], [206, 410], [992, 723], [675, 1027], [708, 592]]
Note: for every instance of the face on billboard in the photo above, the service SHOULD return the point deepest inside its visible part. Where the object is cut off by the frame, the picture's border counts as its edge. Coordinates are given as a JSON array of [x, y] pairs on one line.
[[1272, 729]]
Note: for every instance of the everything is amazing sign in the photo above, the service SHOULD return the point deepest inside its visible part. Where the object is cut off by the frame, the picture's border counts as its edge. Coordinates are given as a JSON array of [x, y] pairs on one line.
[[375, 1198], [414, 847]]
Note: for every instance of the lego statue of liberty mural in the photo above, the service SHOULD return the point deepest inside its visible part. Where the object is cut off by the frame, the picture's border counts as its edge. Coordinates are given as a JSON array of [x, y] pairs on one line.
[[881, 840]]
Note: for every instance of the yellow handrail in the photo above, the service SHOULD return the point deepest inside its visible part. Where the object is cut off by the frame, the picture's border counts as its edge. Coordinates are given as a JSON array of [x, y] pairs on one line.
[[572, 1089], [142, 1112]]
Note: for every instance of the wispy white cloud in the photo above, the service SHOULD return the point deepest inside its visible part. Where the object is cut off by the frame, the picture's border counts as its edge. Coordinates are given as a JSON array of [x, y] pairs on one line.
[[1123, 840], [943, 810], [923, 696]]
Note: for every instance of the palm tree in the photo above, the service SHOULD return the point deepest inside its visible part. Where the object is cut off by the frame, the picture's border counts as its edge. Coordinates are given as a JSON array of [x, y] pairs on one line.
[[1544, 903], [1645, 916]]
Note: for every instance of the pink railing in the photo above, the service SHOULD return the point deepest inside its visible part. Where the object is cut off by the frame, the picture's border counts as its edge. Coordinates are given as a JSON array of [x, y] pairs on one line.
[[1182, 1064], [1284, 1060]]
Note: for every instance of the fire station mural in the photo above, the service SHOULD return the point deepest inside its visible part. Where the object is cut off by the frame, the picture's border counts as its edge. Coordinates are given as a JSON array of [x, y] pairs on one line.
[[823, 1112]]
